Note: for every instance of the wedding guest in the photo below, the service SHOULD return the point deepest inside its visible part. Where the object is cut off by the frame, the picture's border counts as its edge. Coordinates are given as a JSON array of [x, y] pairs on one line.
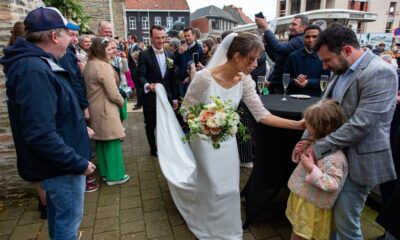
[[105, 102], [83, 50], [50, 134], [366, 88], [314, 186]]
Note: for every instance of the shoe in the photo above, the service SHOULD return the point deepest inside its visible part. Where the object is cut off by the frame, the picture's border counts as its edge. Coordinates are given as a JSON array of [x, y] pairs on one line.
[[123, 180], [137, 107], [91, 187], [90, 179], [247, 165], [154, 153]]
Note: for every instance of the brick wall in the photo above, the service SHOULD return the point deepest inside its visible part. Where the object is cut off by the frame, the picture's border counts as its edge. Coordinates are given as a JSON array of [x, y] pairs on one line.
[[201, 23], [11, 185]]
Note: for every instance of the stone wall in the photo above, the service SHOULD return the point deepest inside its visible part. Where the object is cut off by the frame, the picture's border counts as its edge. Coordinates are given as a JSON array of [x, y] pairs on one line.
[[11, 185], [100, 10], [118, 18]]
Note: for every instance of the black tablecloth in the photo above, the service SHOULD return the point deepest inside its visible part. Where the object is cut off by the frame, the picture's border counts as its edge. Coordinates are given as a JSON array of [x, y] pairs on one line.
[[272, 164]]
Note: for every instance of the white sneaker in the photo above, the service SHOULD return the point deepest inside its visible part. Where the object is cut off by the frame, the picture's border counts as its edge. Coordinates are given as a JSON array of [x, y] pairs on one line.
[[124, 180], [247, 165]]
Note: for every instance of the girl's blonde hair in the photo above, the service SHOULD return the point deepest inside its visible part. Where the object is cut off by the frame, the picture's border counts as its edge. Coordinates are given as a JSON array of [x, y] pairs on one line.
[[324, 117]]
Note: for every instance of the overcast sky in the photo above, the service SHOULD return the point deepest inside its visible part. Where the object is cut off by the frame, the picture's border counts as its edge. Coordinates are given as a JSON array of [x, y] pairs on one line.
[[250, 7]]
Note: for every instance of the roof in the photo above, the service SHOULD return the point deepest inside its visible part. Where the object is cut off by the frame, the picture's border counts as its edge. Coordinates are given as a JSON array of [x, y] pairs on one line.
[[238, 14], [212, 12], [180, 5]]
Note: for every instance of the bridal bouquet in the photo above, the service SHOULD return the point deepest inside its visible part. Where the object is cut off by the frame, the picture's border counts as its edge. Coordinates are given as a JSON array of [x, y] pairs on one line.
[[214, 122]]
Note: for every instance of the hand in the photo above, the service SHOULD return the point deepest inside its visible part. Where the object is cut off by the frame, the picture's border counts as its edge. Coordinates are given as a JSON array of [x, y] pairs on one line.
[[186, 81], [175, 105], [301, 80], [301, 125], [298, 149], [182, 48], [398, 99], [86, 114], [307, 161], [262, 23], [151, 87], [122, 54], [90, 169], [90, 132]]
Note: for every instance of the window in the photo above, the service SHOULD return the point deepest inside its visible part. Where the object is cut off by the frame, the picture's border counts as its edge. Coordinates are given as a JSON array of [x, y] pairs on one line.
[[145, 23], [215, 24], [132, 22], [157, 21], [181, 19], [146, 40], [170, 22]]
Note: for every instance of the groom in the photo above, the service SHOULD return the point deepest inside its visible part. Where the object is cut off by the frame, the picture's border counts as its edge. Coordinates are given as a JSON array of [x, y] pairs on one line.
[[155, 66]]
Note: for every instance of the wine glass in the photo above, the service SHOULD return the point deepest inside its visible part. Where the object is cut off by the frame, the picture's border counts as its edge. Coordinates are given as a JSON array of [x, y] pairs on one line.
[[323, 83], [285, 82], [260, 84]]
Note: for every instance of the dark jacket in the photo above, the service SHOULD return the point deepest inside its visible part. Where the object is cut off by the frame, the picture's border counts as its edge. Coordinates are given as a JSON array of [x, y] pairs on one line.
[[70, 63], [278, 52], [46, 121], [149, 72], [181, 60], [301, 62]]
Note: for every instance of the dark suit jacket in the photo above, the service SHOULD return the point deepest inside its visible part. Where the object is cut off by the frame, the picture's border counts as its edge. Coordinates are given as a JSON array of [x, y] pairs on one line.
[[149, 72]]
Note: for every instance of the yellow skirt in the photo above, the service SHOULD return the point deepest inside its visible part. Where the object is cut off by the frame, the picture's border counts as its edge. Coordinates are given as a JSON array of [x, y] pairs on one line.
[[308, 221]]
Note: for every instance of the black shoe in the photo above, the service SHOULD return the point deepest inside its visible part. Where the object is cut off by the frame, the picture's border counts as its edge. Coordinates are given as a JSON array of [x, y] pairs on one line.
[[154, 153], [136, 107]]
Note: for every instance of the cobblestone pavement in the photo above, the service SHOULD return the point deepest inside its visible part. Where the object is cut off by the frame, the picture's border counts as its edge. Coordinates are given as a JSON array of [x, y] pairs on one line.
[[140, 209]]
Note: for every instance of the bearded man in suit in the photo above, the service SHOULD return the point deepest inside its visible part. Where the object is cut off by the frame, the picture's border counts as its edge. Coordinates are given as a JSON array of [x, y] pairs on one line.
[[155, 66], [365, 87]]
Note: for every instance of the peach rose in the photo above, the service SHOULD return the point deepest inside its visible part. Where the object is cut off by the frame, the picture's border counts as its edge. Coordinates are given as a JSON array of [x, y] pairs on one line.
[[206, 114]]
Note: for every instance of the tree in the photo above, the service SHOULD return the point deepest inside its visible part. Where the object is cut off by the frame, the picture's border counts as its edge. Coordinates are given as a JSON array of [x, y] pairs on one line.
[[71, 9]]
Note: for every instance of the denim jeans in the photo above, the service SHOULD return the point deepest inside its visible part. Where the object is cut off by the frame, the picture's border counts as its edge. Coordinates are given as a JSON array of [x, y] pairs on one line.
[[347, 211], [64, 196]]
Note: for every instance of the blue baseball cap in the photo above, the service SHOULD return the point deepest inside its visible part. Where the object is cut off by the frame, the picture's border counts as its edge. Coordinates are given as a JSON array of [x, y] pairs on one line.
[[47, 18]]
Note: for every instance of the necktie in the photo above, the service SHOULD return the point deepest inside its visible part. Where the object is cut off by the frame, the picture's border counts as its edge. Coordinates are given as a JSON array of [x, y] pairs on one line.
[[159, 51]]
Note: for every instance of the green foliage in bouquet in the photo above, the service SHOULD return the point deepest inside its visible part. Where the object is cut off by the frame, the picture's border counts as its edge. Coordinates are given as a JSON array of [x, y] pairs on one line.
[[214, 122]]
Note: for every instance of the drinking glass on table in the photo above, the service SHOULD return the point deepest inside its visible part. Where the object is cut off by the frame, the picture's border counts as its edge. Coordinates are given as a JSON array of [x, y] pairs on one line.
[[285, 83], [323, 83], [260, 84]]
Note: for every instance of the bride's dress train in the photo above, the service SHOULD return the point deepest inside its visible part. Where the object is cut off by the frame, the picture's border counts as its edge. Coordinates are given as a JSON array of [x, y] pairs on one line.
[[204, 182]]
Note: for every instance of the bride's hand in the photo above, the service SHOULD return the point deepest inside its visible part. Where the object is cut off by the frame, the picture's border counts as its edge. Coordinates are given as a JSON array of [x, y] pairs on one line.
[[301, 124]]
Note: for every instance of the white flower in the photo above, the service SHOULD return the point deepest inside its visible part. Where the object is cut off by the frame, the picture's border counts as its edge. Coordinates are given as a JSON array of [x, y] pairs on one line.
[[233, 130], [220, 118], [235, 119], [211, 122]]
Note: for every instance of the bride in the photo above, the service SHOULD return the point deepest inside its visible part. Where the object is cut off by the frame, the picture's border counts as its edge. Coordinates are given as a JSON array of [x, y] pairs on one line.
[[204, 182]]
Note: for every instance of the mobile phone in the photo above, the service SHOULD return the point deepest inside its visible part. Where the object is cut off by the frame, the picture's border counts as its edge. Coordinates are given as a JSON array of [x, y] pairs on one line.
[[196, 58], [259, 15], [183, 42]]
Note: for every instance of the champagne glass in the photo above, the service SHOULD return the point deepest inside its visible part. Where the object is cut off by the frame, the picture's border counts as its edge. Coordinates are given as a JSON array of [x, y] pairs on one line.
[[285, 82], [323, 83], [260, 84]]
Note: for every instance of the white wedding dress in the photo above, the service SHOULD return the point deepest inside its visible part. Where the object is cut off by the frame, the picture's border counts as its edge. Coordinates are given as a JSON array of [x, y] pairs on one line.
[[203, 181]]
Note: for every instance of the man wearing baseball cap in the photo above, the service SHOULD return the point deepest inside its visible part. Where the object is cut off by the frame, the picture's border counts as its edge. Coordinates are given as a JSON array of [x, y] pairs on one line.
[[49, 131]]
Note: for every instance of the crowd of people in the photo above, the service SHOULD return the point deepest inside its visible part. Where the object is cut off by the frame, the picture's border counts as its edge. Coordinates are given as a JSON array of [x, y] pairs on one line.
[[75, 100]]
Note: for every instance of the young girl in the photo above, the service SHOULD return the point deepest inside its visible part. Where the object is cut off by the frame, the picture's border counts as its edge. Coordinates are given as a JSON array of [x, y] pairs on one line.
[[315, 185]]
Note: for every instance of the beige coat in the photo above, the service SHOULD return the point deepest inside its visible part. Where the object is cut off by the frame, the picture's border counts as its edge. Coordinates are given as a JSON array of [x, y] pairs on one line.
[[104, 98]]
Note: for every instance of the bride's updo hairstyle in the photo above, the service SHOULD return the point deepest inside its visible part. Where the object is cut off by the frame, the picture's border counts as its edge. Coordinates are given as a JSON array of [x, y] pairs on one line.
[[244, 44]]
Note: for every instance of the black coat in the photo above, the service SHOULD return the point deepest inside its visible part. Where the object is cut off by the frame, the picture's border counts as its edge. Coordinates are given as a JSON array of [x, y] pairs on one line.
[[149, 72]]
